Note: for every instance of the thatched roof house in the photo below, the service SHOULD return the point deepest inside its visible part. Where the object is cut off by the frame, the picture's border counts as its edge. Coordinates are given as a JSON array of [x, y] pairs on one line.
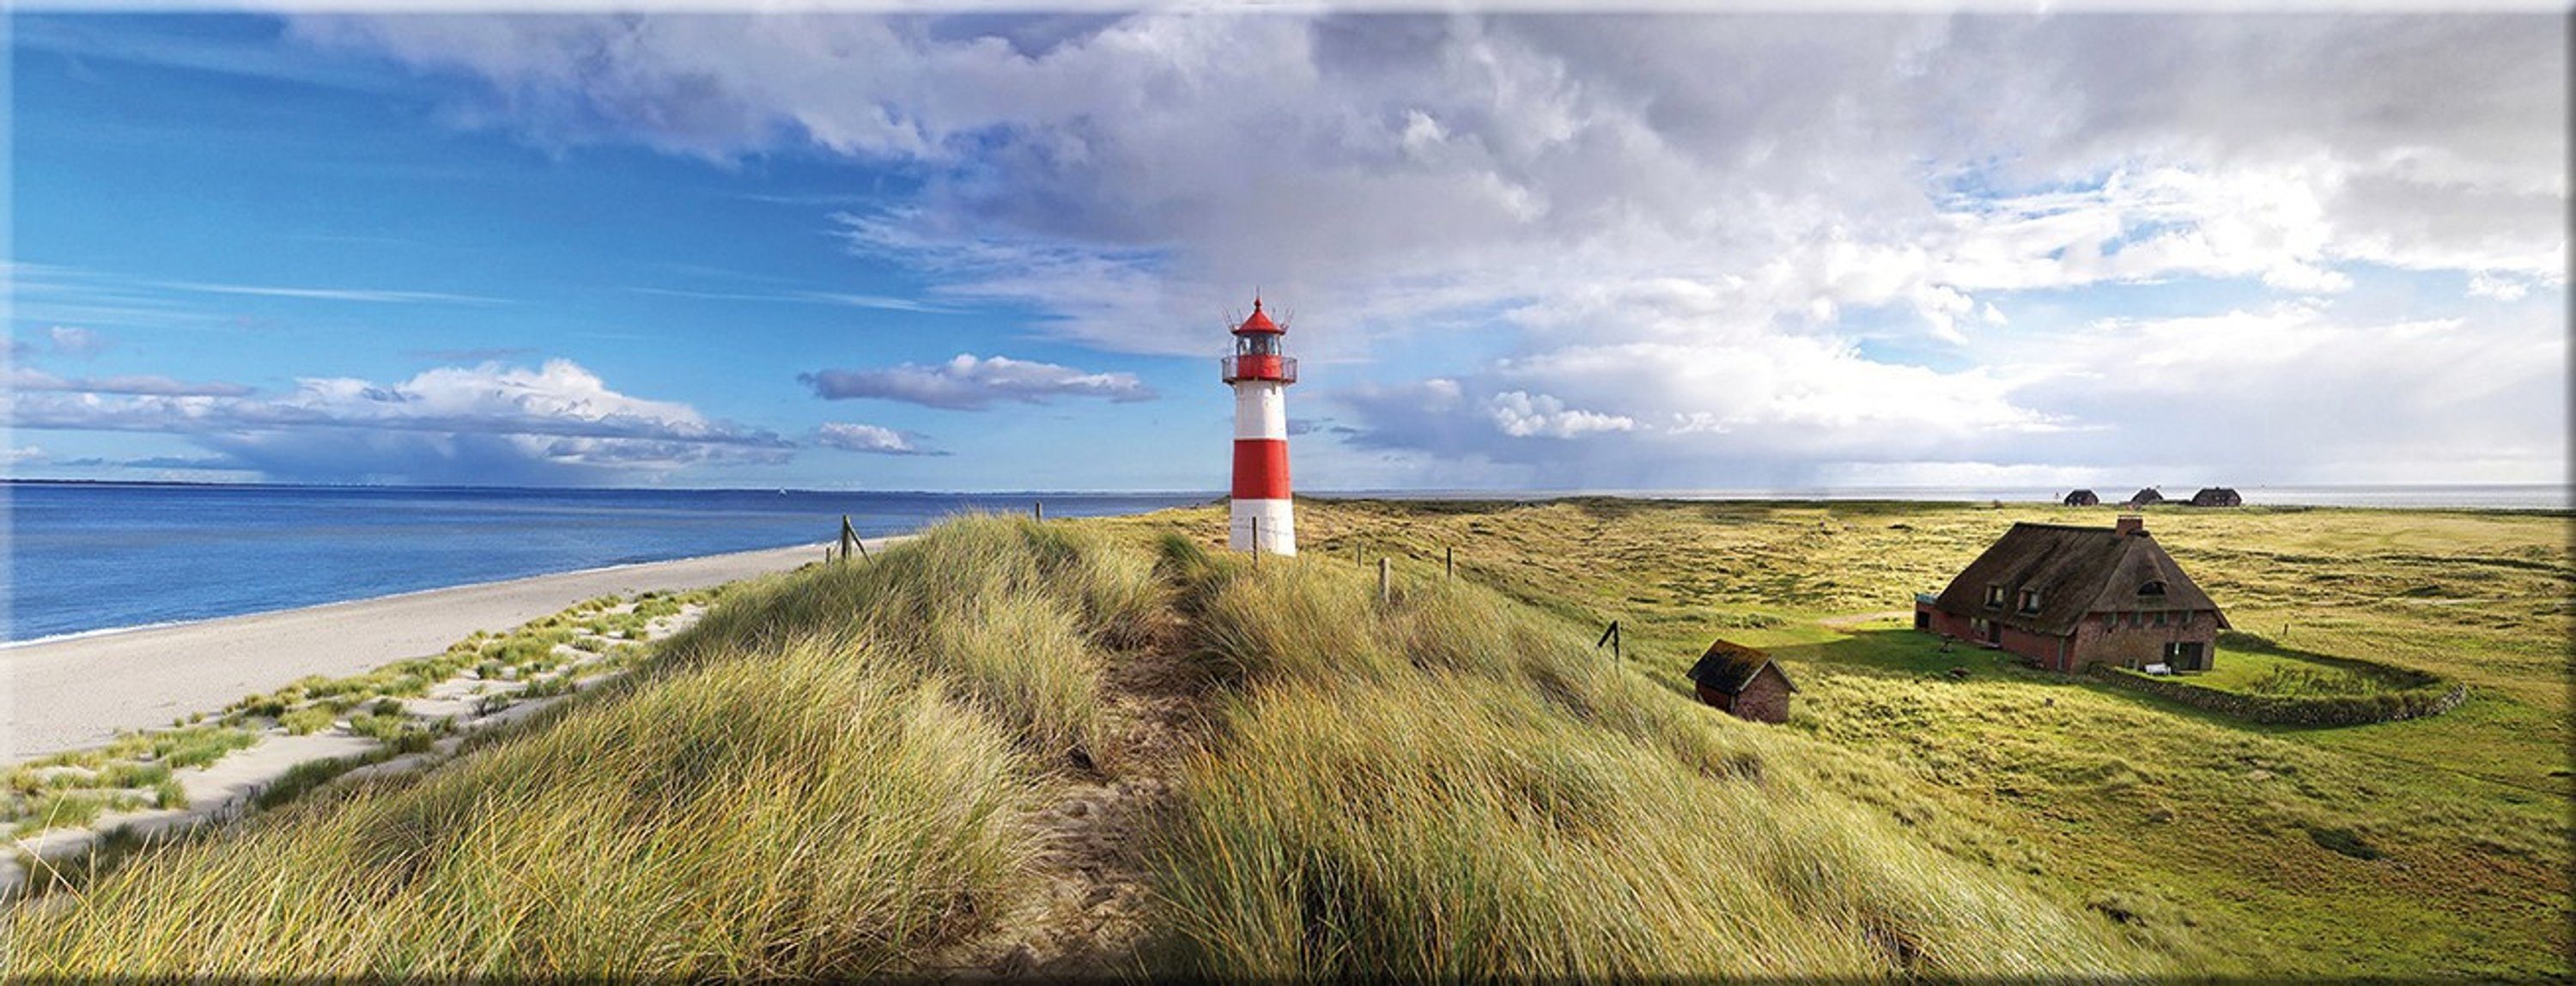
[[2083, 498], [2144, 497], [1744, 681], [2066, 596], [2217, 496]]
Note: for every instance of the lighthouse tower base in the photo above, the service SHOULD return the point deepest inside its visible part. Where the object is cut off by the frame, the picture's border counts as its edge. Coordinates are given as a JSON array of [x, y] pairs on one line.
[[1274, 522]]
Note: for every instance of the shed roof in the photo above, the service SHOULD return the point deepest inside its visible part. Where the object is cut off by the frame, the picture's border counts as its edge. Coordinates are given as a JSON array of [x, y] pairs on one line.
[[1729, 666], [2078, 571]]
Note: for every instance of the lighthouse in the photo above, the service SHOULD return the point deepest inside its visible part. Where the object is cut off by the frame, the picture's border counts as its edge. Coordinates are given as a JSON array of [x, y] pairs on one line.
[[1260, 374]]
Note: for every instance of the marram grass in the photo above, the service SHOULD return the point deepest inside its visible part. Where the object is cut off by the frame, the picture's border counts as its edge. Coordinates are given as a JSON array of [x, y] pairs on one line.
[[840, 773], [1448, 786]]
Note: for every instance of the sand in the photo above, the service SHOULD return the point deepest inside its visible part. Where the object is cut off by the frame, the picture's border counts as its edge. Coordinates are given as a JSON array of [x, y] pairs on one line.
[[79, 692]]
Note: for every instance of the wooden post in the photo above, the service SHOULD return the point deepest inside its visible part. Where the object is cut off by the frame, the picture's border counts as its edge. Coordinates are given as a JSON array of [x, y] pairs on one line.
[[1385, 587], [1037, 509], [1448, 564], [1610, 637], [1256, 540], [850, 539]]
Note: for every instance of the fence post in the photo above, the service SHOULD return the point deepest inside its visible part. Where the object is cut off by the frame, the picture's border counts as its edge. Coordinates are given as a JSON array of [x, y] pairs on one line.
[[1256, 540], [1448, 564], [1385, 588], [1037, 509]]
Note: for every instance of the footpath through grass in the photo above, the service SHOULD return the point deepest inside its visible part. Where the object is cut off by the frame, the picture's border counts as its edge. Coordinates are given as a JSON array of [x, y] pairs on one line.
[[2424, 847], [850, 771]]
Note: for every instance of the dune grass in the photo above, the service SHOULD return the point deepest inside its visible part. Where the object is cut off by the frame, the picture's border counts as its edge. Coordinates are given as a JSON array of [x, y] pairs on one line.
[[2193, 831], [844, 772], [833, 775], [1447, 785]]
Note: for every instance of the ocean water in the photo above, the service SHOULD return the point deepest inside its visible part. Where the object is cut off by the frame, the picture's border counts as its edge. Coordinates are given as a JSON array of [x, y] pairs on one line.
[[92, 556]]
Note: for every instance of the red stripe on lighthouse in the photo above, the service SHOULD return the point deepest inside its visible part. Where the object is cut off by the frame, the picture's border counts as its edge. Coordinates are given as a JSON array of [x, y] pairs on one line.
[[1261, 469]]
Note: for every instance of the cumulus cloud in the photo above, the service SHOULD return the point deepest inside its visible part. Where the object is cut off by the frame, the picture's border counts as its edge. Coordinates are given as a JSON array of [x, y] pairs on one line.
[[968, 383], [1770, 245], [875, 439], [1520, 415], [557, 423]]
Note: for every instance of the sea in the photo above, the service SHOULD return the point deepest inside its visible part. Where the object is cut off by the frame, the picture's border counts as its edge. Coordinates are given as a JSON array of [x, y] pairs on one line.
[[89, 557], [93, 557]]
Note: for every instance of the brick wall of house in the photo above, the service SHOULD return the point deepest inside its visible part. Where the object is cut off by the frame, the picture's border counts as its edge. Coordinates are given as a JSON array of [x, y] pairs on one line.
[[1765, 698], [2141, 645]]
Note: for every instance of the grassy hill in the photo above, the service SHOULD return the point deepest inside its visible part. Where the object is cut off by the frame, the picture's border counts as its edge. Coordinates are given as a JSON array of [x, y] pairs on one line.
[[1010, 747], [2402, 849], [1100, 747]]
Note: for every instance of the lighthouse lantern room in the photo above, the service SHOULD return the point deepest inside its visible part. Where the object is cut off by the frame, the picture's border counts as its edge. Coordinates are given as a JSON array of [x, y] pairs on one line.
[[1263, 519]]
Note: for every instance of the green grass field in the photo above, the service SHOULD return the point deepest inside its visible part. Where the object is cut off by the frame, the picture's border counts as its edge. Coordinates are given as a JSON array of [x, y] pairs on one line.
[[2405, 848], [916, 764]]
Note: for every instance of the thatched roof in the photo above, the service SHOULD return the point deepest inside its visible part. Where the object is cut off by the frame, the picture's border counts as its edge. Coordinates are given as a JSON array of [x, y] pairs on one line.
[[2083, 498], [2217, 496], [2078, 571], [2147, 496], [1729, 666]]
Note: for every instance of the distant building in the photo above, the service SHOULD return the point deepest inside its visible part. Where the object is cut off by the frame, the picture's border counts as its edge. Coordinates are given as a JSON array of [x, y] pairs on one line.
[[1743, 681], [2065, 597], [2217, 496], [2083, 498], [2145, 497]]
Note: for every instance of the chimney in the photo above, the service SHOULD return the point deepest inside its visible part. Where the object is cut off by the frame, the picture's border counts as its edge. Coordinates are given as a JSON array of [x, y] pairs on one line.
[[2130, 524]]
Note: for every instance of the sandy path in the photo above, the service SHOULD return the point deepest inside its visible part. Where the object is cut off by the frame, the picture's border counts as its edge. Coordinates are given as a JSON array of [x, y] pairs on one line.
[[75, 693]]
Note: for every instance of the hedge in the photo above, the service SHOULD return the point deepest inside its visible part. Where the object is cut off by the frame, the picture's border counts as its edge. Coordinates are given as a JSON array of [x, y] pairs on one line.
[[2431, 698]]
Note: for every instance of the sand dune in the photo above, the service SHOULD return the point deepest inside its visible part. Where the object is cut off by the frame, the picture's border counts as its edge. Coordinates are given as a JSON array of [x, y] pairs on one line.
[[79, 692]]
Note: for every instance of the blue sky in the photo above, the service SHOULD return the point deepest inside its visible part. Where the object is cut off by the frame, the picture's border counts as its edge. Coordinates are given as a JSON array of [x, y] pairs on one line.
[[998, 252]]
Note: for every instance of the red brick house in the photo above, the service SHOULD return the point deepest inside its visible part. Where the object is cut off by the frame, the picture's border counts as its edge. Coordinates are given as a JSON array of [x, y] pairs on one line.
[[1743, 681], [2065, 597]]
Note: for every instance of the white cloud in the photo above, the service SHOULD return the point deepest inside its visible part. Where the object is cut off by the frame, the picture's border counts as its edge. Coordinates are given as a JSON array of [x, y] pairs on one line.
[[968, 383], [1694, 225], [77, 343], [27, 379], [1520, 415], [364, 295], [556, 423], [854, 437]]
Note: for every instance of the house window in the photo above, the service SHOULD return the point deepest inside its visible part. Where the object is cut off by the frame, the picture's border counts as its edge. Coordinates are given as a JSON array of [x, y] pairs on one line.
[[2110, 620], [2030, 600], [2160, 617], [2152, 588], [1994, 595]]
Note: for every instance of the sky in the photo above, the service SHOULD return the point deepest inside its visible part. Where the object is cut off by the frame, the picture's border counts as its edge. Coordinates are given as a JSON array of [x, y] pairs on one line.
[[1696, 251]]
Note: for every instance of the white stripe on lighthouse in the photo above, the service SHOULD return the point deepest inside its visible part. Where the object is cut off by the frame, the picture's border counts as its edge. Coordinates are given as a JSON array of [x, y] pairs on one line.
[[1264, 521]]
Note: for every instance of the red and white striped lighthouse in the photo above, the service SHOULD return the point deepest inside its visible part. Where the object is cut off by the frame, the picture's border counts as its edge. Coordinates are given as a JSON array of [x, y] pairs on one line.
[[1260, 374]]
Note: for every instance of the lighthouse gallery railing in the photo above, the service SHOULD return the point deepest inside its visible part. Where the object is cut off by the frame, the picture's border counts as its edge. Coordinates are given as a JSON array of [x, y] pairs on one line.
[[1260, 366]]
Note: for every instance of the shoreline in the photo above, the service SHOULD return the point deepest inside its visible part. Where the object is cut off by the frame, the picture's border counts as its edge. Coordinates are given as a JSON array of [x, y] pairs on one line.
[[78, 691], [6, 646]]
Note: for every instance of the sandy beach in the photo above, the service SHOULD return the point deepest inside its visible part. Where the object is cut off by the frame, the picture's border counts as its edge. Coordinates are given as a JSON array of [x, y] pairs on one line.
[[78, 692]]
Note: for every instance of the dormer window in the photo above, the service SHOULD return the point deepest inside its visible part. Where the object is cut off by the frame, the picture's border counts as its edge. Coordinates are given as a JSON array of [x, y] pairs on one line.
[[2030, 600], [2154, 587], [1995, 596]]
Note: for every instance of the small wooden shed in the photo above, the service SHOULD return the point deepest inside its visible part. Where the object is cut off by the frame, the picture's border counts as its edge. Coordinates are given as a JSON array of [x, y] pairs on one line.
[[1743, 681], [2083, 498]]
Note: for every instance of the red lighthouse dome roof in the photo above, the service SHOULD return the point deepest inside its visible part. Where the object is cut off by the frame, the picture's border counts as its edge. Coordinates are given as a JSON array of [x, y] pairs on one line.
[[1258, 322]]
